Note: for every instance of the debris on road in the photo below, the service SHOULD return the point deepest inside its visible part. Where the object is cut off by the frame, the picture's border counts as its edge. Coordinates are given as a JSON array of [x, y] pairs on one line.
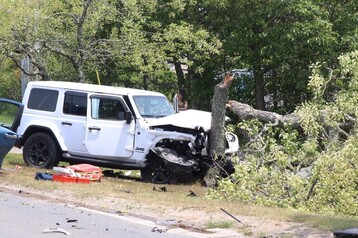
[[72, 220], [156, 229], [55, 230]]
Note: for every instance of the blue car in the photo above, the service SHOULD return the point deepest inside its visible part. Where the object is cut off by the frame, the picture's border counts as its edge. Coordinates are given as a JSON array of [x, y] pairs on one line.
[[10, 117]]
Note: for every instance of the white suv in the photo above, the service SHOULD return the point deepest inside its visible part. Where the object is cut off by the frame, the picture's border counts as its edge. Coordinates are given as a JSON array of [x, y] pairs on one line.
[[116, 128]]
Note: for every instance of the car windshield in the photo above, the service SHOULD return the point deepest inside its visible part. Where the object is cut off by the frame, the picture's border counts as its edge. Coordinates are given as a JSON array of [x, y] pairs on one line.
[[153, 106]]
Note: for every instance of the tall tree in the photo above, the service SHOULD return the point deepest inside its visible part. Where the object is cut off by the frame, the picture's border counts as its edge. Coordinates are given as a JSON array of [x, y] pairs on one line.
[[276, 40], [46, 31]]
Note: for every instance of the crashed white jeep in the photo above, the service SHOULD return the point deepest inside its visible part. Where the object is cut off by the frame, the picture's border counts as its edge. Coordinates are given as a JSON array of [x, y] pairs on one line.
[[114, 127]]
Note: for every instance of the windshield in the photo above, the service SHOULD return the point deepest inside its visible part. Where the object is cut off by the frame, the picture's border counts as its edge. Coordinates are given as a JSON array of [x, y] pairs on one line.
[[153, 106]]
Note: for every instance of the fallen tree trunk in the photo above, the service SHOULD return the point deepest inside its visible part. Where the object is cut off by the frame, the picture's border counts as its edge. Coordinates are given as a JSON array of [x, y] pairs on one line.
[[246, 112]]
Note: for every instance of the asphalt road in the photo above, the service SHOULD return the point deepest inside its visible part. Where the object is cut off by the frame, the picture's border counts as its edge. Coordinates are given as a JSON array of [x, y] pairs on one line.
[[25, 216]]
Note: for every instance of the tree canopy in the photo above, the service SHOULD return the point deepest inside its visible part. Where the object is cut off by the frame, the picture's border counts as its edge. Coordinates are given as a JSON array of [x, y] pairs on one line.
[[163, 45]]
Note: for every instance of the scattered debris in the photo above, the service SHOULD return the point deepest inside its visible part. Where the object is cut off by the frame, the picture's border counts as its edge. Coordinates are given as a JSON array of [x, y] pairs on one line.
[[20, 192], [191, 194], [55, 230], [71, 220], [232, 217], [77, 227], [160, 189], [156, 229]]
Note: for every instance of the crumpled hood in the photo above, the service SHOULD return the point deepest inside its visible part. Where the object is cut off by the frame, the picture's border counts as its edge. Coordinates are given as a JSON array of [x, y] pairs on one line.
[[190, 119]]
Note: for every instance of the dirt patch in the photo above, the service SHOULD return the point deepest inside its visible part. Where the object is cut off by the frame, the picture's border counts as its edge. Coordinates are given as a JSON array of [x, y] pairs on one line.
[[190, 218]]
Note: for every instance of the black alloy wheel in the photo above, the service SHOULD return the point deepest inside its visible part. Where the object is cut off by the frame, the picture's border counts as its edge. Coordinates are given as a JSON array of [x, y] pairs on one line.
[[157, 173], [41, 151]]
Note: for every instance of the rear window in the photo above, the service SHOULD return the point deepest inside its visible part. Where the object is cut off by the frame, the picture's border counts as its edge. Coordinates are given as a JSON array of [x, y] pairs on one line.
[[43, 99]]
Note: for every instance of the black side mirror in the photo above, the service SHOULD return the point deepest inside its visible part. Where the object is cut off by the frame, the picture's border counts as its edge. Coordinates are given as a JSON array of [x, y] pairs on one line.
[[128, 116]]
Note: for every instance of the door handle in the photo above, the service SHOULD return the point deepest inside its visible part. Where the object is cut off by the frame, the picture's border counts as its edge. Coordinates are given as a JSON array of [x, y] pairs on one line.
[[94, 128], [66, 123], [11, 136]]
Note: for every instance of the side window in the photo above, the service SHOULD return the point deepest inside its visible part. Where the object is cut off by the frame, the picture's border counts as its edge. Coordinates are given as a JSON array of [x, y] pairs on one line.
[[10, 114], [75, 104], [107, 109], [43, 99]]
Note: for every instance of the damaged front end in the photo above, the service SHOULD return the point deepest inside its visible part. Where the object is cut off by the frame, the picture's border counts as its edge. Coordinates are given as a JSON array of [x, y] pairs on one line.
[[183, 157]]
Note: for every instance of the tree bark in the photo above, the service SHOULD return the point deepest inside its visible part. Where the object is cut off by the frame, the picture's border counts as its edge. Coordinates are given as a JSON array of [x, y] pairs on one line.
[[246, 112], [179, 72], [259, 89], [217, 134]]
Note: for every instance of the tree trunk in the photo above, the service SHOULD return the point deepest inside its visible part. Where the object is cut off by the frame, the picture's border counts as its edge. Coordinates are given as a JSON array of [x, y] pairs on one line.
[[217, 134], [259, 89], [179, 72], [246, 112]]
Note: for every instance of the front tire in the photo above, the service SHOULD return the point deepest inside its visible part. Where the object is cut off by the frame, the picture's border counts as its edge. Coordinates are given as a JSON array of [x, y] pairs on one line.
[[157, 173], [41, 151]]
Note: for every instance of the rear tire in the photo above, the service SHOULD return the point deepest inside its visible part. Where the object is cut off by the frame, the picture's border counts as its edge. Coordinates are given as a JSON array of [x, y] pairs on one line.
[[157, 173], [41, 151]]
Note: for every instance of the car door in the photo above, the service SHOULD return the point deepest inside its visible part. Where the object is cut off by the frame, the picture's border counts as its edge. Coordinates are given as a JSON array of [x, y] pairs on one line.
[[73, 122], [109, 134], [10, 116]]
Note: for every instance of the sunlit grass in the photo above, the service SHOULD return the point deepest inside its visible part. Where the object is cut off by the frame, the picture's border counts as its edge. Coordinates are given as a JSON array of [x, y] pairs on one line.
[[219, 224], [188, 196]]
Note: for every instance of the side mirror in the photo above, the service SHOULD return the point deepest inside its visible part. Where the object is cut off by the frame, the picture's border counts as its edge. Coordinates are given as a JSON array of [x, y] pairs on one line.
[[128, 116]]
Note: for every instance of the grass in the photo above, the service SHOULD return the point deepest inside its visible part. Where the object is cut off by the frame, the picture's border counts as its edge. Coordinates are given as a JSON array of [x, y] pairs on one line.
[[177, 196], [219, 224]]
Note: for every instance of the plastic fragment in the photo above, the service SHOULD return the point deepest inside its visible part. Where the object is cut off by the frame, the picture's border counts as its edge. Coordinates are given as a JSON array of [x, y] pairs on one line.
[[55, 230]]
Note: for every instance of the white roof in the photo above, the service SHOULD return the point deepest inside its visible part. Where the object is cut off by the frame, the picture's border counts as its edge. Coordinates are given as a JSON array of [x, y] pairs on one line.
[[85, 87]]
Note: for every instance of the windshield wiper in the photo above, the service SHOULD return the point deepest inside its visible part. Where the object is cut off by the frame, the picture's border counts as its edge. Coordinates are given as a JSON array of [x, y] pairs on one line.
[[154, 116]]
